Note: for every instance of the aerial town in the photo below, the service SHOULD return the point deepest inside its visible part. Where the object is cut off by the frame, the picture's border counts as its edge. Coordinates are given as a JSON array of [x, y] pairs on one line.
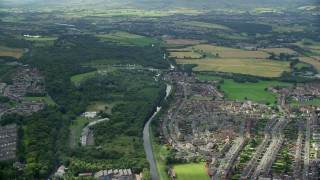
[[160, 89], [218, 130]]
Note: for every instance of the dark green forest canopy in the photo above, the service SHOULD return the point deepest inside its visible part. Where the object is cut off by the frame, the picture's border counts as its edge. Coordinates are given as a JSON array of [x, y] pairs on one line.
[[63, 60]]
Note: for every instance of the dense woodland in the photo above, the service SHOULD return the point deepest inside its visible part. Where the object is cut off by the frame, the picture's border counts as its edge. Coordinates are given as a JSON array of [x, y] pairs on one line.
[[44, 134]]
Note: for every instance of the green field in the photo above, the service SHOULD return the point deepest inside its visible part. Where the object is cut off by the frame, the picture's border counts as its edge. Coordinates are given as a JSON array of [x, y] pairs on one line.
[[207, 77], [253, 91], [301, 65], [314, 102], [193, 171], [80, 77], [53, 38], [101, 106], [204, 24], [46, 99], [122, 143], [124, 38]]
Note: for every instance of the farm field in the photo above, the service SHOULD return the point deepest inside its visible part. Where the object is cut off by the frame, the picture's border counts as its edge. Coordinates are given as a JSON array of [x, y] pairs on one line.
[[286, 28], [254, 91], [13, 52], [184, 41], [204, 24], [225, 52], [190, 171], [185, 55], [124, 38], [256, 67], [235, 36], [311, 61], [277, 51], [316, 57]]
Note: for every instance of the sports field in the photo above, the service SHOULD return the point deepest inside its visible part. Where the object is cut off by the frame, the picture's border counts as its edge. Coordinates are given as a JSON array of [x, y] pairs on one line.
[[256, 67], [193, 171], [253, 91], [125, 38], [13, 52]]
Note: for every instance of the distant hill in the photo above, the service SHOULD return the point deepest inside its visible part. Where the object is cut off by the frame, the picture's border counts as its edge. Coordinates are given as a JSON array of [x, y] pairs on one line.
[[156, 4]]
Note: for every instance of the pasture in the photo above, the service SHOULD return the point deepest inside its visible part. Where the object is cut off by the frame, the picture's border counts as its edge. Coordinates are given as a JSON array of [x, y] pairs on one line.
[[191, 171], [256, 67], [204, 24], [124, 38], [253, 91], [13, 52]]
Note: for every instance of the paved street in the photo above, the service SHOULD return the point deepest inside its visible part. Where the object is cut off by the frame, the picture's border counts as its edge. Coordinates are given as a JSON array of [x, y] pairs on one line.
[[306, 162]]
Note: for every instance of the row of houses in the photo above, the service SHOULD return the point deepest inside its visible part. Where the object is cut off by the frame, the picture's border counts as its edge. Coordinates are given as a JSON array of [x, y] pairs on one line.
[[8, 141]]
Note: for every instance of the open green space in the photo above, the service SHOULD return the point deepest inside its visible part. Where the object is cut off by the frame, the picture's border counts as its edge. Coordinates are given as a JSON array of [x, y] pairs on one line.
[[159, 153], [101, 106], [52, 38], [301, 65], [314, 102], [122, 143], [46, 99], [191, 171], [124, 38], [79, 77], [204, 24], [207, 77], [78, 121], [253, 91]]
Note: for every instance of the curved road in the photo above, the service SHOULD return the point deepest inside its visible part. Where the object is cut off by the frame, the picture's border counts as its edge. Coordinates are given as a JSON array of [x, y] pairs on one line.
[[147, 142]]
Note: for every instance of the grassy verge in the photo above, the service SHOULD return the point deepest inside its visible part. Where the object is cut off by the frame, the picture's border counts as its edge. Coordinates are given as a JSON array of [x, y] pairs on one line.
[[157, 149]]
